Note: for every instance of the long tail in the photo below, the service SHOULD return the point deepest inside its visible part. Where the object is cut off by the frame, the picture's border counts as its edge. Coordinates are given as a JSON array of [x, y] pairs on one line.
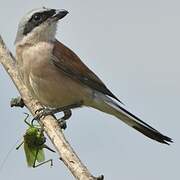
[[107, 105]]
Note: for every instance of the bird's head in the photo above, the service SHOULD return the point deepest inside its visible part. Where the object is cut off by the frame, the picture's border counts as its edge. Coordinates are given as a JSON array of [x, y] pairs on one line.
[[39, 25]]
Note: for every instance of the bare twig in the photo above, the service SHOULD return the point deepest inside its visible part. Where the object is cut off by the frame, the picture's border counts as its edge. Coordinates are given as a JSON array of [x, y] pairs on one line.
[[67, 154]]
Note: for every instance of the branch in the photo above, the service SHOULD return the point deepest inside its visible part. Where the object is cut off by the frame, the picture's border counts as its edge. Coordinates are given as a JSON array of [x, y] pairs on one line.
[[49, 123]]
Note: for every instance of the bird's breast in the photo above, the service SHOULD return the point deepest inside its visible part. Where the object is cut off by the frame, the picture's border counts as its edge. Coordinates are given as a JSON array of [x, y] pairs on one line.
[[51, 87]]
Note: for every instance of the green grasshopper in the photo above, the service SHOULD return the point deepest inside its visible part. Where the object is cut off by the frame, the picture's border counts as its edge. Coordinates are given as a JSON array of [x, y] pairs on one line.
[[34, 144]]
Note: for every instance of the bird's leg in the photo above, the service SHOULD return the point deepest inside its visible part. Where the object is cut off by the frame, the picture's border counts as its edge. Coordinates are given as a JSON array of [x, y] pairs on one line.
[[42, 112], [62, 121]]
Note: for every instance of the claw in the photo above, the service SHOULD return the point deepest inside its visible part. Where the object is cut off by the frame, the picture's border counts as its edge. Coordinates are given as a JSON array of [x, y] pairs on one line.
[[62, 121], [42, 112], [39, 110], [67, 114], [62, 124]]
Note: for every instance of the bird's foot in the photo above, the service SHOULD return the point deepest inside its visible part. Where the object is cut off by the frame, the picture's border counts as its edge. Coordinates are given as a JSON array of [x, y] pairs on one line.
[[43, 112]]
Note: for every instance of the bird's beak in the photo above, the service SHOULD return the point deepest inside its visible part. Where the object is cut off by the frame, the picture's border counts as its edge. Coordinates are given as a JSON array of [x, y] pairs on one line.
[[59, 14]]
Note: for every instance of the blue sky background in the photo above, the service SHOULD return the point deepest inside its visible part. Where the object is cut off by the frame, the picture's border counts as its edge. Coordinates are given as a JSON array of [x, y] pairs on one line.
[[133, 46]]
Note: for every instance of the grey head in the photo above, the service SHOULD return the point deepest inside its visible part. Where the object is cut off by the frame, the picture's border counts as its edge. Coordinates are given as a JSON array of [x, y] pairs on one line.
[[38, 24]]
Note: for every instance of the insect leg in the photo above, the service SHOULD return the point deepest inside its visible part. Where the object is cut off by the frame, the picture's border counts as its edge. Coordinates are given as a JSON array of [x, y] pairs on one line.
[[19, 145], [50, 160], [35, 158]]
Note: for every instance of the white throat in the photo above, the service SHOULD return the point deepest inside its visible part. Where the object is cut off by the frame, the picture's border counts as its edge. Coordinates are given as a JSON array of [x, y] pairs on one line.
[[43, 33]]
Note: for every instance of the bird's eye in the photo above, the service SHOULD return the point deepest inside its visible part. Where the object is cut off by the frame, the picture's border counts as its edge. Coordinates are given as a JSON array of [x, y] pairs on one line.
[[37, 17]]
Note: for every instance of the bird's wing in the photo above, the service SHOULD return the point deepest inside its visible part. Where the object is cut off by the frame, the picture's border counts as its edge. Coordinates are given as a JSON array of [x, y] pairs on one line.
[[68, 62]]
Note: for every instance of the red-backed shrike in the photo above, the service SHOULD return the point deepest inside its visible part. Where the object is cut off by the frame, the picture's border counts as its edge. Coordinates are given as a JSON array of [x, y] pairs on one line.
[[57, 77]]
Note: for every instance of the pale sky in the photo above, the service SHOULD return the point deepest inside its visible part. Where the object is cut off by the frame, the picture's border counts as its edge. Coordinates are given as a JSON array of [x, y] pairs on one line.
[[133, 46]]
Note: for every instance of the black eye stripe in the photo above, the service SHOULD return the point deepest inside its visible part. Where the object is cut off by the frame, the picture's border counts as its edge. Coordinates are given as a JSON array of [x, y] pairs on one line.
[[36, 16], [43, 15], [34, 21]]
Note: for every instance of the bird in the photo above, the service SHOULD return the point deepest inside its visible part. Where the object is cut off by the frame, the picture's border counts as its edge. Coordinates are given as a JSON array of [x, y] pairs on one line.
[[57, 77]]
